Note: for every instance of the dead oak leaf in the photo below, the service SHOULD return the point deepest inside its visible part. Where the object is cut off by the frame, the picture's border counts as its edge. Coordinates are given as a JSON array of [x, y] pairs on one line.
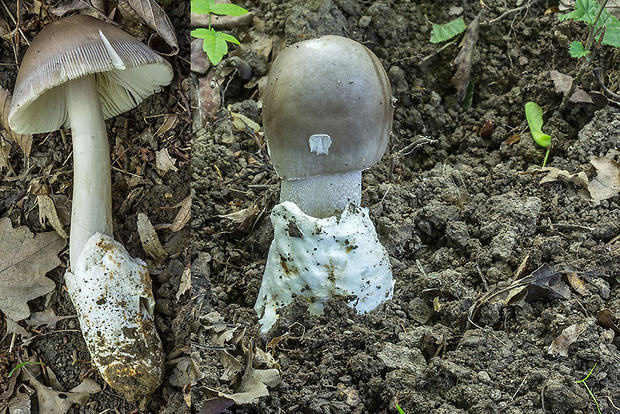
[[606, 184], [154, 16], [24, 261]]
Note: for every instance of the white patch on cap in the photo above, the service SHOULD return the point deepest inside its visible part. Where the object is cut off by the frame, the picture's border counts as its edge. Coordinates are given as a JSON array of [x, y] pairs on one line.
[[320, 143], [117, 62]]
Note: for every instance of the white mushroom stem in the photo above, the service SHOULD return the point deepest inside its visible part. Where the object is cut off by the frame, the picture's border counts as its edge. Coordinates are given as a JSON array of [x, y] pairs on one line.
[[92, 184], [321, 196]]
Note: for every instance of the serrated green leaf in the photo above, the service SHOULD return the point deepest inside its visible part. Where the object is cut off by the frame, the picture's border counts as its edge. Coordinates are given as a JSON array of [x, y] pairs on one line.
[[202, 6], [585, 11], [228, 9], [577, 50], [612, 32], [534, 116], [443, 32]]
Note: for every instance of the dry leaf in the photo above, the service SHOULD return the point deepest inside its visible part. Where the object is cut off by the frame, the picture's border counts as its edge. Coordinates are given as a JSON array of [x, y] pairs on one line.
[[576, 283], [47, 317], [59, 402], [243, 123], [581, 96], [26, 260], [149, 239], [606, 184], [20, 403], [23, 141], [463, 61], [183, 215], [164, 162], [170, 121], [186, 282], [560, 345], [47, 210], [580, 179], [155, 17], [561, 81]]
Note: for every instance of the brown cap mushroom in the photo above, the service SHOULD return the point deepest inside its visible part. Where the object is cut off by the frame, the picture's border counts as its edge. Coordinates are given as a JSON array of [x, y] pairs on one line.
[[327, 113], [125, 69], [77, 72]]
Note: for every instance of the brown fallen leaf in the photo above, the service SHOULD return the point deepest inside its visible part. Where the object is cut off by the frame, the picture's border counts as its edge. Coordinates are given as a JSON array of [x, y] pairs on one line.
[[25, 261], [183, 216], [560, 345], [149, 239], [154, 16], [186, 282], [463, 61], [606, 184], [607, 319], [59, 402], [164, 162], [23, 141], [47, 211], [46, 317], [580, 178]]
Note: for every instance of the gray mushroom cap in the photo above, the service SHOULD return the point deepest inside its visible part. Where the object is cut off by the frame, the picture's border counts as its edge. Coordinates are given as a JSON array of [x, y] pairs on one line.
[[327, 108], [126, 70]]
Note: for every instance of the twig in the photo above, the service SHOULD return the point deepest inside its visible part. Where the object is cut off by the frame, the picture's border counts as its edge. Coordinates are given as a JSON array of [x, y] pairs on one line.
[[597, 74], [515, 10]]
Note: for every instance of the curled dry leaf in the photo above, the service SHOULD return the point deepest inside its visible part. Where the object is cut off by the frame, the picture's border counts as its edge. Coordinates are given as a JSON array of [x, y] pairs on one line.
[[22, 273], [183, 215], [170, 121], [560, 345], [149, 239], [47, 210], [155, 17], [464, 59], [186, 282], [23, 141], [580, 179]]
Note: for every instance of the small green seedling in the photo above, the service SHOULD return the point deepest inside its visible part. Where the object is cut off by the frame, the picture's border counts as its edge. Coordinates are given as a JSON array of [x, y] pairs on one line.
[[18, 366], [214, 42], [583, 381], [443, 32], [534, 116], [603, 29], [400, 410]]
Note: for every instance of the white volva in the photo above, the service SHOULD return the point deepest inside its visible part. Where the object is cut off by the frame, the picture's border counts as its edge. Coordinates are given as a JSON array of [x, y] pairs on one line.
[[322, 258], [113, 297]]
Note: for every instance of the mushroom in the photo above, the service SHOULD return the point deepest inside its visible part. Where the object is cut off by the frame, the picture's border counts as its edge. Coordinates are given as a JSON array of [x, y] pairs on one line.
[[78, 72], [327, 114]]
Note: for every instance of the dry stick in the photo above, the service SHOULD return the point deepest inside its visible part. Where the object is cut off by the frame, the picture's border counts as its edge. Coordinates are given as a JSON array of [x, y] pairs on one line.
[[506, 13], [586, 63], [597, 74]]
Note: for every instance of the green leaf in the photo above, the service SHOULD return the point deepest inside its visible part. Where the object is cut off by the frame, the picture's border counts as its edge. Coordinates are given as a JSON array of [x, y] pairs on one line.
[[228, 9], [612, 32], [400, 410], [577, 50], [585, 11], [443, 32], [229, 38], [202, 6], [534, 116], [214, 43]]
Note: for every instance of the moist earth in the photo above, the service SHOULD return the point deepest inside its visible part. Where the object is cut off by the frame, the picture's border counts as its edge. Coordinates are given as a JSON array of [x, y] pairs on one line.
[[506, 285]]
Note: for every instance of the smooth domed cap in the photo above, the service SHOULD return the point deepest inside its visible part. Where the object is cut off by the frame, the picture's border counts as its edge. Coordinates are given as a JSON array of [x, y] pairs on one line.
[[127, 71], [327, 108]]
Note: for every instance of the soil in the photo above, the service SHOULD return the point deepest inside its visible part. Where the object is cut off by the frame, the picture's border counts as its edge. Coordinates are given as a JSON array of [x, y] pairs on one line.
[[506, 288], [138, 187]]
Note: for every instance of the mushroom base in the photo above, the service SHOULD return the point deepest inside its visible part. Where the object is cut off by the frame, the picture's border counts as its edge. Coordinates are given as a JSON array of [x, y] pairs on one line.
[[323, 195], [113, 298], [323, 258]]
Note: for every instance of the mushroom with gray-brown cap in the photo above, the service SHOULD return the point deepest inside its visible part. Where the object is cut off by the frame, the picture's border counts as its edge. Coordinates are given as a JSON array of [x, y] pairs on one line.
[[327, 114], [78, 72]]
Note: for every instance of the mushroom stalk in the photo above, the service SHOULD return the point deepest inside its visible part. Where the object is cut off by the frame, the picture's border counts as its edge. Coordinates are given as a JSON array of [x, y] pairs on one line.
[[321, 196], [92, 194]]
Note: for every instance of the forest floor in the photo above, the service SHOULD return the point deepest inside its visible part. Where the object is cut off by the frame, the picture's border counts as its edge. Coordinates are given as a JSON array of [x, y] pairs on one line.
[[507, 291]]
